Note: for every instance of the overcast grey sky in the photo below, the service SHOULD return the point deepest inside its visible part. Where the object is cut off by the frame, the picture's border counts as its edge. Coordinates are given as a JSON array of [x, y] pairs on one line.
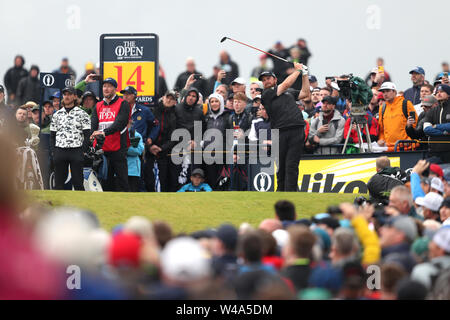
[[344, 36]]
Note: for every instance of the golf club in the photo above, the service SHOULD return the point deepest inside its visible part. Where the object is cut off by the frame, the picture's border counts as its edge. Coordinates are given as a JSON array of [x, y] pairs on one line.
[[225, 38]]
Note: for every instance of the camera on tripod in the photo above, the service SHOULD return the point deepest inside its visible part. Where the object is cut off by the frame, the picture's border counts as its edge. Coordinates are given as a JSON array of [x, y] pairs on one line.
[[348, 86], [356, 91]]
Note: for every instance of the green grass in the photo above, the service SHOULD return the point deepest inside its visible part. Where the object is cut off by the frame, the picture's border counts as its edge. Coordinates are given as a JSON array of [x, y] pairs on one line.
[[187, 212]]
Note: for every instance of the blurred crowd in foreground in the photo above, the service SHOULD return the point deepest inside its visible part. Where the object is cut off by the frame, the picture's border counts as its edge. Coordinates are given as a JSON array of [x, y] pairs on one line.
[[400, 250]]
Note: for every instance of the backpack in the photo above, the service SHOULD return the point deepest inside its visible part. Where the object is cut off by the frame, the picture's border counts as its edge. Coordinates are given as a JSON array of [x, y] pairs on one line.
[[404, 108]]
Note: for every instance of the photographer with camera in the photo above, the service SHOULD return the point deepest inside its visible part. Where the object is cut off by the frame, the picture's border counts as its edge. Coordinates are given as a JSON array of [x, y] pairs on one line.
[[327, 129], [191, 71], [69, 140]]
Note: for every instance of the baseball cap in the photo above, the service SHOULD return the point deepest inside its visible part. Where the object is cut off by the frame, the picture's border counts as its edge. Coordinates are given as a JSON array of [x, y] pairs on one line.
[[442, 239], [329, 222], [281, 237], [238, 80], [110, 81], [404, 224], [374, 70], [2, 88], [35, 108], [257, 97], [428, 100], [30, 104], [335, 86], [312, 78], [57, 95], [130, 90], [172, 94], [125, 250], [228, 234], [330, 100], [445, 88], [418, 70], [387, 86], [88, 94], [380, 96], [69, 89], [432, 201], [184, 259], [437, 184], [266, 73], [45, 102], [198, 171], [435, 168]]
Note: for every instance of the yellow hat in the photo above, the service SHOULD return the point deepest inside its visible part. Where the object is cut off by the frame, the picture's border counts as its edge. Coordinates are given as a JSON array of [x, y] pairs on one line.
[[89, 66]]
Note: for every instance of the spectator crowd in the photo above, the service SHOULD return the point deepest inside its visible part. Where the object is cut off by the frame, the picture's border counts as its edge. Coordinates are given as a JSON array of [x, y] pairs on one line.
[[224, 101]]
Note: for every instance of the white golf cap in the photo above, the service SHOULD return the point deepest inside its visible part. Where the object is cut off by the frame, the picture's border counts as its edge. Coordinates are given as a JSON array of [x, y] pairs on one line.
[[184, 259], [388, 86], [437, 184], [335, 86], [238, 80], [431, 201], [442, 238]]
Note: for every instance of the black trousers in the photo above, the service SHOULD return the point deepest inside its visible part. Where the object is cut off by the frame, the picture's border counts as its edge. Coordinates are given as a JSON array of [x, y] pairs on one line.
[[133, 182], [168, 174], [117, 171], [63, 157], [290, 150]]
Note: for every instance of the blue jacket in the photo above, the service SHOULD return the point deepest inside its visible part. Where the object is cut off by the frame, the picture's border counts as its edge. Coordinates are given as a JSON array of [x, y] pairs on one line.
[[413, 94], [144, 122], [134, 163], [190, 188]]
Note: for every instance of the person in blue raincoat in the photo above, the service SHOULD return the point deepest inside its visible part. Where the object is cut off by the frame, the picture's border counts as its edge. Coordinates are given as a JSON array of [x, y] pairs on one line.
[[134, 159]]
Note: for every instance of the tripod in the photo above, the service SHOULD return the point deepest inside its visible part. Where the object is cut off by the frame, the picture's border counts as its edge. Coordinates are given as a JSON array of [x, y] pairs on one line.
[[358, 119]]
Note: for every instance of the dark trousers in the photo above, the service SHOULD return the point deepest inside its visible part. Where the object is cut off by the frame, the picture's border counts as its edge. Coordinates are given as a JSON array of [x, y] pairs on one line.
[[133, 182], [63, 157], [212, 174], [290, 150], [117, 171], [168, 174]]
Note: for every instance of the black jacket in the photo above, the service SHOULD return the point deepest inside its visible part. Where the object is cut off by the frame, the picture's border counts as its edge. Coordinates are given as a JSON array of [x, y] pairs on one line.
[[168, 123], [186, 115], [12, 78], [231, 74], [439, 115], [221, 123], [243, 120], [199, 84], [417, 133], [384, 181], [29, 89]]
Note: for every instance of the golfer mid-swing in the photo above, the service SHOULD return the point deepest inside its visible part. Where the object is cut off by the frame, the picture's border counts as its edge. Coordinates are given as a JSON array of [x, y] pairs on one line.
[[285, 115]]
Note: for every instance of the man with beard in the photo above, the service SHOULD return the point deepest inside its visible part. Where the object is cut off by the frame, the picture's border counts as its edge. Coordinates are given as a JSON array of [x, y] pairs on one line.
[[110, 119], [285, 115], [161, 147], [187, 113], [417, 77]]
